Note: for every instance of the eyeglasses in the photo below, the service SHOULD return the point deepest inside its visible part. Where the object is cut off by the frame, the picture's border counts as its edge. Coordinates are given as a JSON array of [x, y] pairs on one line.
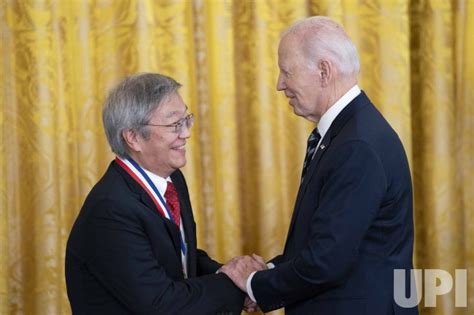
[[179, 125]]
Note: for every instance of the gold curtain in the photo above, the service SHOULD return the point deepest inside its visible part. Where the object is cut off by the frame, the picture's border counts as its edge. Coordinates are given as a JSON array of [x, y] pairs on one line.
[[59, 58]]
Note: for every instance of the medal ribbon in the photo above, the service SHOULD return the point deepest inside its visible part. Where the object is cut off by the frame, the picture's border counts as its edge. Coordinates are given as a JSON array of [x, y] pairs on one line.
[[141, 177]]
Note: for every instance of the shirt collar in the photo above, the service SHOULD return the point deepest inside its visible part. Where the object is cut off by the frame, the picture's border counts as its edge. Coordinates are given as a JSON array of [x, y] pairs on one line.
[[159, 181], [331, 114]]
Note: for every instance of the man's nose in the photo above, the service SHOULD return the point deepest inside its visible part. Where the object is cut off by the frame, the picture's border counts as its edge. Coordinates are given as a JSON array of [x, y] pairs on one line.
[[280, 83], [185, 132]]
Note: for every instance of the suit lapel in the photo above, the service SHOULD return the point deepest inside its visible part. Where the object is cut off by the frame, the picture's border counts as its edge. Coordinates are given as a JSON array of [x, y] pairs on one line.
[[313, 166], [304, 184], [332, 132], [172, 229]]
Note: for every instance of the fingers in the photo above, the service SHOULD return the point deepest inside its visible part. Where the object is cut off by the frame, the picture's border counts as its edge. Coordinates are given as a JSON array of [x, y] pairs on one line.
[[254, 264], [247, 263], [249, 305], [239, 268], [260, 260]]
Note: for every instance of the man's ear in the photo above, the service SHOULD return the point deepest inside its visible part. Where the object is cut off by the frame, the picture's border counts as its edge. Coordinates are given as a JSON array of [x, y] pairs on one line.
[[132, 139], [325, 72]]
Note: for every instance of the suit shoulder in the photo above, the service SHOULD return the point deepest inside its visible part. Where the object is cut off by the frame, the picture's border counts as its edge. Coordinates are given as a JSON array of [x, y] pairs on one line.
[[111, 193]]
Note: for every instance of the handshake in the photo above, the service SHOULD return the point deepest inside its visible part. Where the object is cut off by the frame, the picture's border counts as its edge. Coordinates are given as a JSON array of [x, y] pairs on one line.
[[238, 269]]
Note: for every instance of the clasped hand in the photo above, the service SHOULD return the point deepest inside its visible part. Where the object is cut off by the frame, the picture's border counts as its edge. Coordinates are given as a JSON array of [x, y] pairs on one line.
[[238, 269]]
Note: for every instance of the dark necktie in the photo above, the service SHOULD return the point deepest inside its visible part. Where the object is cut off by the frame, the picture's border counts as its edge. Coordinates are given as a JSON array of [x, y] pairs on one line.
[[313, 140], [172, 201]]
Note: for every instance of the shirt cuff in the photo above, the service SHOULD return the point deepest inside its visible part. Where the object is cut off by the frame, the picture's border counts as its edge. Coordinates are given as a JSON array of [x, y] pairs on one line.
[[249, 287]]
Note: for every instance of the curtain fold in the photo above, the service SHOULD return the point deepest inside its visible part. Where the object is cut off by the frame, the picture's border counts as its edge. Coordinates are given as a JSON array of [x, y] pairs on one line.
[[58, 59]]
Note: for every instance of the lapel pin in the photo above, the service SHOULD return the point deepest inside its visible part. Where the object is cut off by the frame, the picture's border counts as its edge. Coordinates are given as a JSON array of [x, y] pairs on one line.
[[322, 147]]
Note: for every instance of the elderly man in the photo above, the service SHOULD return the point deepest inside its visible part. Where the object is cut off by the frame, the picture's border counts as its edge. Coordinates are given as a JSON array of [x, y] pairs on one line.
[[132, 249], [352, 223]]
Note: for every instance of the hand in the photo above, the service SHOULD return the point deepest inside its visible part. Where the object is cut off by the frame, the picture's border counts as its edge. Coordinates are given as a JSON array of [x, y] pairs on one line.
[[249, 305], [260, 260], [239, 268]]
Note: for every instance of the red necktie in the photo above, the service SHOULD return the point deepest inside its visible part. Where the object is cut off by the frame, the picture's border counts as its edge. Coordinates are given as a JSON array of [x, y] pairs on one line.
[[172, 201]]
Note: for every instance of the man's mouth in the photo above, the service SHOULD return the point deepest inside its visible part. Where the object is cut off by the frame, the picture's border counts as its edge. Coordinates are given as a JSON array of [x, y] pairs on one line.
[[181, 147], [291, 100]]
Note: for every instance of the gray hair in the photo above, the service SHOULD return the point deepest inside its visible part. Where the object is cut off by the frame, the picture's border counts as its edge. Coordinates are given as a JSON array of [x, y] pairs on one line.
[[130, 104], [321, 38]]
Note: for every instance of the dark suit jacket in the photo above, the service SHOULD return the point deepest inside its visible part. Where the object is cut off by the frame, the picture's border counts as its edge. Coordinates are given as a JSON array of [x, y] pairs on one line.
[[351, 227], [122, 257]]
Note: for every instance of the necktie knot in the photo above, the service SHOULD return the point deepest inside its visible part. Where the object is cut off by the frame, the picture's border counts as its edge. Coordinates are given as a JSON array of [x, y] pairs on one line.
[[172, 200], [313, 141]]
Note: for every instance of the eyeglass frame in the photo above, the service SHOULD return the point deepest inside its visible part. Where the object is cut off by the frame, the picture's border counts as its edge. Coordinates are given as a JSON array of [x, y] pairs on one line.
[[178, 125]]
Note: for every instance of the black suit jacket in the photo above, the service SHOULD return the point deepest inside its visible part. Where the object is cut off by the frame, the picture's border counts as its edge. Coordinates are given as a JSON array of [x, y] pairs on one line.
[[351, 227], [122, 257]]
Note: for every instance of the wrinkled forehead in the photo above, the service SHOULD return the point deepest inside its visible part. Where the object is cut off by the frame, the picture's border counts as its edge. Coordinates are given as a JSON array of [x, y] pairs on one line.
[[290, 43], [290, 48]]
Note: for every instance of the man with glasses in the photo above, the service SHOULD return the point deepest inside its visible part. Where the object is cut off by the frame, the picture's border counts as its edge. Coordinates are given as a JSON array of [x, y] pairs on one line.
[[133, 246]]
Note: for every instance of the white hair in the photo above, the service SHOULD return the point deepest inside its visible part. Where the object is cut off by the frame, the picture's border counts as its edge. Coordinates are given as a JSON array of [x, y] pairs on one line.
[[322, 38]]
